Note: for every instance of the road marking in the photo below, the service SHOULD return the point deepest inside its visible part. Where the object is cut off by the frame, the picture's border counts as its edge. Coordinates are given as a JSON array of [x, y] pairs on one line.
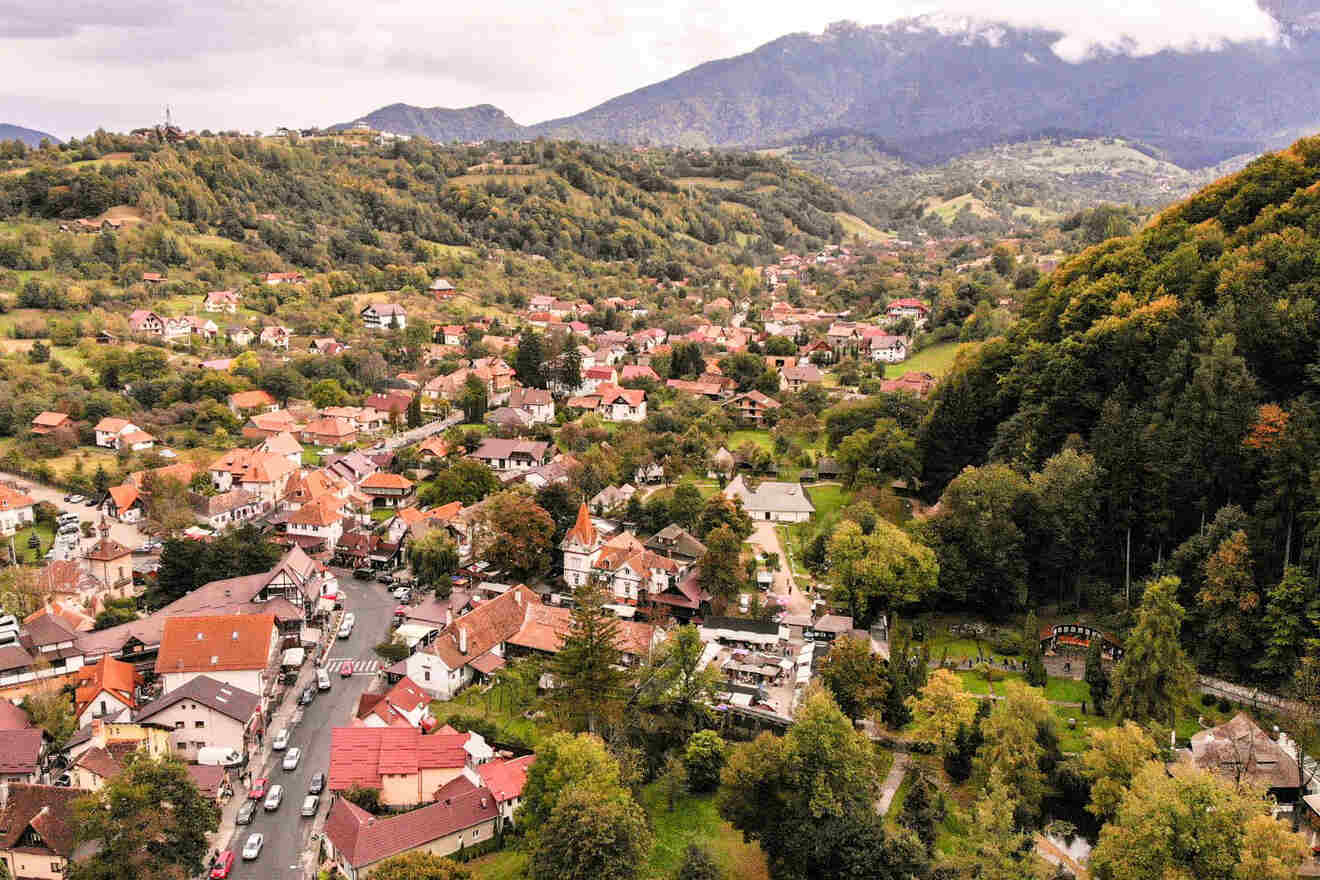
[[360, 667]]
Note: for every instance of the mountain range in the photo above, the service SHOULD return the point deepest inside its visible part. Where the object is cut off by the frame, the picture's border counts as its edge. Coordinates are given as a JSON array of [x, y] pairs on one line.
[[935, 87], [29, 136]]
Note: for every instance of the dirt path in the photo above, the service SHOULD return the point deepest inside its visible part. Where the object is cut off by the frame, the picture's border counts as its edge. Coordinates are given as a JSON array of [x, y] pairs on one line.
[[766, 539], [889, 787]]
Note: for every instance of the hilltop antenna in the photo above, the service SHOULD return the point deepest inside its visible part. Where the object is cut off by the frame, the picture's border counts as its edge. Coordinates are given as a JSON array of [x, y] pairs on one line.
[[167, 115]]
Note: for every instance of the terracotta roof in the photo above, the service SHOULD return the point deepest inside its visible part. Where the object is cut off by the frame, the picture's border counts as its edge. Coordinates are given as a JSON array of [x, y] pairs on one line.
[[583, 531], [485, 627], [383, 480], [389, 707], [321, 512], [546, 626], [331, 427], [282, 443], [107, 550], [19, 751], [215, 643], [1239, 746], [12, 717], [11, 500], [254, 466], [363, 839], [207, 778], [506, 778], [99, 761], [107, 674], [50, 419], [110, 425], [47, 809], [250, 399], [123, 496], [360, 755]]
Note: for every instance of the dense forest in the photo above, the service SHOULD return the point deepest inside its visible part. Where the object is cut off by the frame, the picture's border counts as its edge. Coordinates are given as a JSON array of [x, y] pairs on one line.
[[1180, 363], [333, 202]]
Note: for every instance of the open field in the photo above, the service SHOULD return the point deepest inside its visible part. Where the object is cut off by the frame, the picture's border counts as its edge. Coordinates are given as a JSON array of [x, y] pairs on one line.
[[854, 225], [934, 359]]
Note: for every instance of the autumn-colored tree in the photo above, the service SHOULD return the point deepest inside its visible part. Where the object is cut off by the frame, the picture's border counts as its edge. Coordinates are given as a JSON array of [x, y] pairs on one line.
[[855, 676], [1231, 605], [943, 707], [514, 535], [1110, 761]]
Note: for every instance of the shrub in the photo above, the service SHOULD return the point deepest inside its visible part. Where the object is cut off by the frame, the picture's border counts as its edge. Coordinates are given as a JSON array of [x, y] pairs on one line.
[[1224, 705], [1207, 699]]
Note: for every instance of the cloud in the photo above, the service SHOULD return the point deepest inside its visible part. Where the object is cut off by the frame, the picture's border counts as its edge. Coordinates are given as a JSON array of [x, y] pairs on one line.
[[74, 64]]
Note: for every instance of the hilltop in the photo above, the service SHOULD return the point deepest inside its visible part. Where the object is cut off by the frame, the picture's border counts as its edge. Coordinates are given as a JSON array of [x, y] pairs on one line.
[[934, 87], [29, 136]]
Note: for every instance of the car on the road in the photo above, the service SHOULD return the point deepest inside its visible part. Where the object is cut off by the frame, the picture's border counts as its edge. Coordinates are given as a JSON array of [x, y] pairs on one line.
[[258, 790], [346, 669], [346, 626], [403, 594], [384, 578], [68, 499], [363, 574], [322, 680], [274, 798], [252, 848], [224, 863], [307, 696], [292, 757], [317, 785], [245, 813], [281, 740], [76, 499], [309, 805]]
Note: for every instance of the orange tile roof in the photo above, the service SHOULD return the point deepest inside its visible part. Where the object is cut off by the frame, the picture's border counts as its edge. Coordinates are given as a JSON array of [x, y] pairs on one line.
[[123, 496], [383, 480], [11, 500], [583, 531], [107, 674], [323, 511], [249, 399], [215, 643], [50, 419]]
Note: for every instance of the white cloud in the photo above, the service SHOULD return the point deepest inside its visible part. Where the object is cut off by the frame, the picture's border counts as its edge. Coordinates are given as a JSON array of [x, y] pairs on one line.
[[72, 65]]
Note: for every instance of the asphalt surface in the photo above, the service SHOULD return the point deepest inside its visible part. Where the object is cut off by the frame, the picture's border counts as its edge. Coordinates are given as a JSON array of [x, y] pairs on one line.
[[125, 533], [286, 831]]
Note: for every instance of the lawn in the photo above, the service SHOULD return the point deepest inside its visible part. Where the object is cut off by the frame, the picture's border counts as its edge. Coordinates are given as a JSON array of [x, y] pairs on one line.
[[1068, 690], [1075, 739], [828, 500], [503, 705], [693, 820], [935, 359], [760, 438], [45, 534]]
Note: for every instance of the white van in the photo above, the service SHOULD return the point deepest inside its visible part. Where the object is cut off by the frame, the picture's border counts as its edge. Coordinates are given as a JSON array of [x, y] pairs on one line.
[[218, 756]]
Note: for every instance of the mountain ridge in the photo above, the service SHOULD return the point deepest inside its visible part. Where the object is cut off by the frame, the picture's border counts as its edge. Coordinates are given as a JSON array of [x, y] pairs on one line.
[[940, 86], [29, 136]]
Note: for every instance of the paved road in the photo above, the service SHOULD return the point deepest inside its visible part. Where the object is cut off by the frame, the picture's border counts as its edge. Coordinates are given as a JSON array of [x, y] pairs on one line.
[[285, 830], [766, 538], [128, 535]]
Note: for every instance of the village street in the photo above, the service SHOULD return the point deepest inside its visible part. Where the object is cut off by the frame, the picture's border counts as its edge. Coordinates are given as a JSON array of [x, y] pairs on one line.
[[766, 539], [125, 533]]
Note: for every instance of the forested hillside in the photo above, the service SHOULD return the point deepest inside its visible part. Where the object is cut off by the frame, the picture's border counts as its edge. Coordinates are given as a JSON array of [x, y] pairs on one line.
[[1184, 358], [338, 202]]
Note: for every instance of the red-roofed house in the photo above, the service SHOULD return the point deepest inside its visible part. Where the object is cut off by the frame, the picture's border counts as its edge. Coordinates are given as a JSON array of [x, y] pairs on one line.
[[221, 301], [123, 503], [505, 779], [386, 490], [105, 689], [15, 510], [50, 422], [404, 705], [38, 831], [463, 815], [235, 649], [406, 766], [252, 402]]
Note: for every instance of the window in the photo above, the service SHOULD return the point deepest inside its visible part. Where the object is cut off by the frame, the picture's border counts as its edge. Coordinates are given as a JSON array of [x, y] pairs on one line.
[[198, 745], [199, 724], [426, 675], [476, 832], [178, 725], [182, 745]]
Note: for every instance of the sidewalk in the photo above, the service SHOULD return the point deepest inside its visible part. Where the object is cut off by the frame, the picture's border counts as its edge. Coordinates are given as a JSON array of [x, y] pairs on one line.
[[890, 786]]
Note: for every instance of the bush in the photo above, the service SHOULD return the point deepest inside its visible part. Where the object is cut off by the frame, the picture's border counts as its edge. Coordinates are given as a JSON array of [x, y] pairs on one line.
[[1007, 643], [1224, 705], [1207, 699], [703, 759]]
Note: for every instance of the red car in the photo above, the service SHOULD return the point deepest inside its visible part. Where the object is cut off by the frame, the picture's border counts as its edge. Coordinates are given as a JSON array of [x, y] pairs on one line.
[[223, 865], [258, 790], [346, 669]]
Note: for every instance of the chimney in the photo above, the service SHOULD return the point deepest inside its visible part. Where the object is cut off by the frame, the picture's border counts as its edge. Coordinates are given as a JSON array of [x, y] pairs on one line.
[[462, 640], [483, 803]]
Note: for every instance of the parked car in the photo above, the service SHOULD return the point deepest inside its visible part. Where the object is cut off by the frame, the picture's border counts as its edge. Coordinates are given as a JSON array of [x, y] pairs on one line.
[[403, 594], [346, 626], [309, 805], [281, 740], [252, 848], [224, 863], [346, 669], [385, 578], [307, 696], [322, 680], [292, 757], [68, 499], [245, 813], [317, 785], [274, 798], [258, 790], [363, 574]]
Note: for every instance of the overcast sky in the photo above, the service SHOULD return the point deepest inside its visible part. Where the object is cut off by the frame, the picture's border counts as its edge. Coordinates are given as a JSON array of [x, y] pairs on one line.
[[67, 66]]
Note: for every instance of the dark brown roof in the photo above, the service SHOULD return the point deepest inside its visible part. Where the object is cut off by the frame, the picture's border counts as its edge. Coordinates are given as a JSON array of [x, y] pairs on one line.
[[364, 839], [46, 809], [226, 699], [99, 761], [20, 750], [207, 778]]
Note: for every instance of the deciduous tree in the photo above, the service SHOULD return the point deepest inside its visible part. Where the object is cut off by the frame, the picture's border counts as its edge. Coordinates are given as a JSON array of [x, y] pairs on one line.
[[855, 676], [419, 865], [433, 558], [593, 833], [942, 710], [1110, 761], [515, 535], [704, 757]]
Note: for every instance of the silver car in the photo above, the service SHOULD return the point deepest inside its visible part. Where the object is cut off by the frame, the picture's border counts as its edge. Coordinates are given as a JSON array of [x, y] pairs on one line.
[[252, 848], [281, 740], [274, 798], [291, 758], [309, 805]]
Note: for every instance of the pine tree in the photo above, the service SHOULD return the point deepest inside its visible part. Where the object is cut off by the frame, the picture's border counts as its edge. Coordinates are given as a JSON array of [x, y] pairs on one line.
[[921, 810], [1034, 654], [570, 370], [589, 682], [414, 412], [527, 365], [1097, 677]]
